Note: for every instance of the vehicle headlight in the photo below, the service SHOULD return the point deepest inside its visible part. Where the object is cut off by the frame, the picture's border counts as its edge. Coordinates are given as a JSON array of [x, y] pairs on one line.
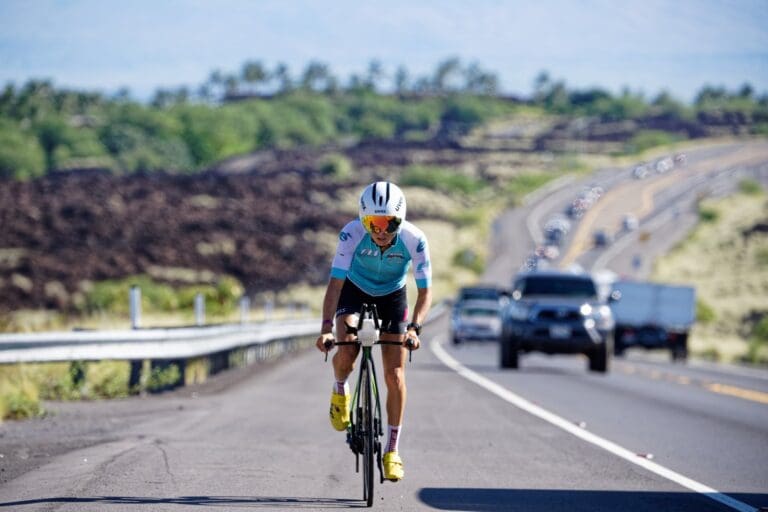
[[517, 311], [603, 317], [597, 316]]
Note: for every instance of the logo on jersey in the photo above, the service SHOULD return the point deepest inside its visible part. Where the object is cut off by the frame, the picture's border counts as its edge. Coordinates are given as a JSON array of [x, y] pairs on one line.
[[395, 255], [422, 266], [421, 246], [369, 252], [344, 236]]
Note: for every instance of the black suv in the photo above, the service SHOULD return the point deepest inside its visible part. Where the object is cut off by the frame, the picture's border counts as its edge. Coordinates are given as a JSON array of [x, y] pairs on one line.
[[557, 313]]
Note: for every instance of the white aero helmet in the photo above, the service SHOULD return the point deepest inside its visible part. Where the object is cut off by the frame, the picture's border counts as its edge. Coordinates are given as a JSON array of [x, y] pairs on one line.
[[382, 207]]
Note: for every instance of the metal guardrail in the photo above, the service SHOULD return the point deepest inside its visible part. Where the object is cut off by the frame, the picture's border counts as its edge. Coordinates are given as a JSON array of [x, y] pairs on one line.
[[178, 343], [153, 344]]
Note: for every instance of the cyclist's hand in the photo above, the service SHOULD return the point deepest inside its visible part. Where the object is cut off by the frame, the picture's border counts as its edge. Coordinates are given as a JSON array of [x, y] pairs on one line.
[[322, 340], [412, 341]]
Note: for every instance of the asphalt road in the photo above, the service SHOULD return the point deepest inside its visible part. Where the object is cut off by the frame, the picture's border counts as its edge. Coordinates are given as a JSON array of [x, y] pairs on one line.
[[648, 436]]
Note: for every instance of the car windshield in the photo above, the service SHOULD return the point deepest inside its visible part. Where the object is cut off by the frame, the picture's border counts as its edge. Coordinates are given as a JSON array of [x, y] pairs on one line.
[[479, 312], [480, 293], [560, 287]]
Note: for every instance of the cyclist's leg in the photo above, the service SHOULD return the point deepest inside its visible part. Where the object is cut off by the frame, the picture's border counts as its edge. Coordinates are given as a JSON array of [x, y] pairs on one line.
[[351, 300], [393, 362], [393, 359], [393, 311], [344, 359]]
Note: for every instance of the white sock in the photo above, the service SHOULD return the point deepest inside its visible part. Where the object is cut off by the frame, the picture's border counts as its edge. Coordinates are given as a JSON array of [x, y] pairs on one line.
[[393, 437], [341, 387]]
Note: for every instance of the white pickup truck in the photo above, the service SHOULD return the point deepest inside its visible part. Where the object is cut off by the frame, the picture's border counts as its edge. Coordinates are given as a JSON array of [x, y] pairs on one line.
[[653, 315]]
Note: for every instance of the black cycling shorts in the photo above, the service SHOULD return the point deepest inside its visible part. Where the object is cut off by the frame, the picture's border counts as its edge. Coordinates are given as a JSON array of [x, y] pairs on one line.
[[392, 308]]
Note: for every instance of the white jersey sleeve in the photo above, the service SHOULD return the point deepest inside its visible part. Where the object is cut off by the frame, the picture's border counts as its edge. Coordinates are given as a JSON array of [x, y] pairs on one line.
[[349, 237], [416, 242]]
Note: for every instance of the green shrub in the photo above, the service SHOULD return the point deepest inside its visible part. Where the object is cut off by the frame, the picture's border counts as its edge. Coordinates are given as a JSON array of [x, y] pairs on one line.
[[438, 178], [758, 343], [646, 139], [762, 257], [467, 217], [163, 377], [750, 187], [113, 295], [469, 259], [108, 379], [19, 395], [21, 155], [525, 183], [21, 404], [336, 166], [704, 312], [760, 331], [708, 214], [760, 129]]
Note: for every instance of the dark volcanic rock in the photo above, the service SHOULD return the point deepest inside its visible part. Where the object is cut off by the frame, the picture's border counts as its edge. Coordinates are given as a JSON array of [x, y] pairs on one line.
[[68, 227]]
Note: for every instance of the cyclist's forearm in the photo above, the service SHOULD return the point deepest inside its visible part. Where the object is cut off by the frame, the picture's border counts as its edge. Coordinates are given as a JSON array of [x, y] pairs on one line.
[[330, 302], [423, 303]]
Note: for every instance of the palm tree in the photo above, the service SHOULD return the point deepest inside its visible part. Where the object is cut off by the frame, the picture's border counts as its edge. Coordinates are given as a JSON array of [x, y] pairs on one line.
[[254, 73], [445, 72], [315, 76], [375, 73], [401, 81], [283, 77], [479, 81]]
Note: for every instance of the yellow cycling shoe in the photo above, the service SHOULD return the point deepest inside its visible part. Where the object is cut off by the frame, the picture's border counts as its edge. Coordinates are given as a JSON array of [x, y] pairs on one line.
[[393, 467], [339, 411]]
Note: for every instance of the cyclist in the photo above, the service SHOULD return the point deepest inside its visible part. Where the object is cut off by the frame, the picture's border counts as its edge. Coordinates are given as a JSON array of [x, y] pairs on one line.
[[370, 266]]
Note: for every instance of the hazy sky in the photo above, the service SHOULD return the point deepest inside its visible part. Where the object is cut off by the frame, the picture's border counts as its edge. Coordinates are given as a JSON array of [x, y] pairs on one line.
[[647, 45]]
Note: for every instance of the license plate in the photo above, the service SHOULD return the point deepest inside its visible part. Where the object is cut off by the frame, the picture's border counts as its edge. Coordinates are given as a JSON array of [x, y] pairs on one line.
[[560, 331]]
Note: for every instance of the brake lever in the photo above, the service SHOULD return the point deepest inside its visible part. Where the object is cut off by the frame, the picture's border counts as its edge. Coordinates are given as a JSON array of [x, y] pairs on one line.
[[409, 346], [328, 346]]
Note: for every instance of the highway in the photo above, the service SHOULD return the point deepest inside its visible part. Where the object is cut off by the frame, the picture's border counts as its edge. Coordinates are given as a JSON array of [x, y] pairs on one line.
[[648, 436]]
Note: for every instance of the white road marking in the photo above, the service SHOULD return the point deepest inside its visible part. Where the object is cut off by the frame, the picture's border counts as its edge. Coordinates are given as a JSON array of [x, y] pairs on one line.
[[569, 427]]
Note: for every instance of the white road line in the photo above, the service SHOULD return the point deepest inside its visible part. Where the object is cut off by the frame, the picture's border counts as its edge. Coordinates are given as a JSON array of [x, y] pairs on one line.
[[577, 431]]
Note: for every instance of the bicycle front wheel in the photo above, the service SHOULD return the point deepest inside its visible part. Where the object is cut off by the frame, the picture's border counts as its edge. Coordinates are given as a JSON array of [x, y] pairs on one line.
[[366, 399]]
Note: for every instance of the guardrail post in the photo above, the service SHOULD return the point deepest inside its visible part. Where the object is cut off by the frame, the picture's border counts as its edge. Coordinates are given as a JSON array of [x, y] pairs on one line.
[[199, 309], [245, 308], [134, 300], [135, 306], [134, 380], [269, 306]]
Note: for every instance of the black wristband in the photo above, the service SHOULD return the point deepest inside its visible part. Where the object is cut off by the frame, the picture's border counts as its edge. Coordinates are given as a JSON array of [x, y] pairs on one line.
[[416, 327]]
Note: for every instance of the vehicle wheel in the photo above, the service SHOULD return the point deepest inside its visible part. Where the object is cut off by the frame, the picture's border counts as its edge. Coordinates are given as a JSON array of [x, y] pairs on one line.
[[599, 358], [680, 350], [509, 352], [618, 347]]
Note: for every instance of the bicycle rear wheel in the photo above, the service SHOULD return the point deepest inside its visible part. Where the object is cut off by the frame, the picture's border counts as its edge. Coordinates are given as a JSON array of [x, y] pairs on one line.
[[366, 399]]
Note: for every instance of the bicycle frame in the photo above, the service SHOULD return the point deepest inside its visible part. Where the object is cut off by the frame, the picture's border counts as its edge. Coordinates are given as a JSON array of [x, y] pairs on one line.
[[365, 427]]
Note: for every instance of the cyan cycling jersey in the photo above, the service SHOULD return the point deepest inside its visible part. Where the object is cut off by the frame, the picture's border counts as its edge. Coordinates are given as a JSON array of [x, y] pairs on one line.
[[377, 273]]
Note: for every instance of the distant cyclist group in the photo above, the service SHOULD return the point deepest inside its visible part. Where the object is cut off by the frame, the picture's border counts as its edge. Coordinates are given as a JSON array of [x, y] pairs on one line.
[[370, 266]]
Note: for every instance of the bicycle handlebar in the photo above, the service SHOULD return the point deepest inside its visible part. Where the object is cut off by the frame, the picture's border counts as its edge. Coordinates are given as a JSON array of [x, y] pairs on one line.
[[408, 343]]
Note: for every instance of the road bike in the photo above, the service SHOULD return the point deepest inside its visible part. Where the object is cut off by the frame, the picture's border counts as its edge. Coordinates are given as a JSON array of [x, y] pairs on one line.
[[365, 427]]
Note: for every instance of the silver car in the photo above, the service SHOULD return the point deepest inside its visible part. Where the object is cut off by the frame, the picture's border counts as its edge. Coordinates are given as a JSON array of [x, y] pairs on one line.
[[476, 320]]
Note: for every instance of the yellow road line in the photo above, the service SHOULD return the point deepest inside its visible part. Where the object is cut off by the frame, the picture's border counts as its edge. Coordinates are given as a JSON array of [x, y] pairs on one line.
[[746, 394], [715, 387]]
